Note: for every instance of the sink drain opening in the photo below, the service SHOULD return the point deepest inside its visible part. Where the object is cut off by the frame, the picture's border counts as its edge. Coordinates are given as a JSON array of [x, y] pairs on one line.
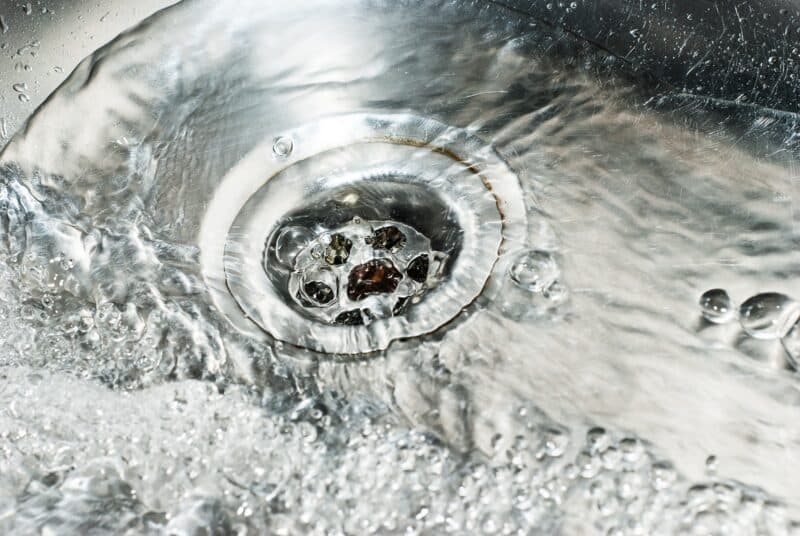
[[343, 247], [359, 272]]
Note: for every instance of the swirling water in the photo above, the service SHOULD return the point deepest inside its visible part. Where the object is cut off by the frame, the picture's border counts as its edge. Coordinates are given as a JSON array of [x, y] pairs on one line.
[[589, 404]]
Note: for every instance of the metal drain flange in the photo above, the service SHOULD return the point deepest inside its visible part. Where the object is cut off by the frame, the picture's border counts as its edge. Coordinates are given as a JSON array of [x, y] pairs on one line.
[[346, 234]]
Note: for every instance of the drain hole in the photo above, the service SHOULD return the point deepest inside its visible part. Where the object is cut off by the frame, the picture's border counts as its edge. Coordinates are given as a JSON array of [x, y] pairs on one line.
[[350, 318], [383, 265], [396, 230], [338, 251], [318, 293], [389, 238], [373, 277], [419, 268], [318, 288]]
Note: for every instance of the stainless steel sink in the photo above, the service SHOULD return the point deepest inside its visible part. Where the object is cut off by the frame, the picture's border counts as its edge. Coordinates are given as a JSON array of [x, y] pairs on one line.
[[361, 266], [746, 52]]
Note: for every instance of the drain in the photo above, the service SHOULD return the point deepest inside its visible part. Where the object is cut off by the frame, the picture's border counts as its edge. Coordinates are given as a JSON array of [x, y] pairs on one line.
[[366, 269], [359, 230]]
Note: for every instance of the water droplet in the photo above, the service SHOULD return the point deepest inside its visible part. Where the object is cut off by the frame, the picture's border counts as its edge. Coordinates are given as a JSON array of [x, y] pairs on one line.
[[632, 449], [712, 464], [556, 294], [282, 147], [534, 270], [664, 475], [716, 306], [555, 443], [20, 87], [3, 25], [47, 301], [24, 98], [772, 60], [571, 471], [588, 465], [630, 485], [597, 439], [769, 315], [611, 458], [490, 525]]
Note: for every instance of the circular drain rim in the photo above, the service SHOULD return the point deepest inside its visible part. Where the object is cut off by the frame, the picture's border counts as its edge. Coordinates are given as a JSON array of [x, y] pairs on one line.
[[262, 166]]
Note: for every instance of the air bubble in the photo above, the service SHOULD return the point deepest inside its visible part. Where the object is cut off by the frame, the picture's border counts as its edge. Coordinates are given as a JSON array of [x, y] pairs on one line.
[[716, 306], [597, 439], [290, 242], [588, 465], [769, 315], [664, 475], [555, 443], [611, 458], [712, 464], [534, 270], [632, 449], [282, 147]]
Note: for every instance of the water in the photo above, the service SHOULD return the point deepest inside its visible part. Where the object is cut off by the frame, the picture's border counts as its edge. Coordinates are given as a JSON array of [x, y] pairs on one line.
[[132, 401], [769, 315], [716, 306]]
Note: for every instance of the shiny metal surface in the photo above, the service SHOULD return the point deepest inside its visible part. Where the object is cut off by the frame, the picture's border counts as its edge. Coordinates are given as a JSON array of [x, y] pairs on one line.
[[745, 51], [143, 218], [41, 44], [730, 50]]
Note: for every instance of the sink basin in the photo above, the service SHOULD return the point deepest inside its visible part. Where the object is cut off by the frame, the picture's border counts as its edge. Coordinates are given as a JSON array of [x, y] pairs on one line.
[[520, 267]]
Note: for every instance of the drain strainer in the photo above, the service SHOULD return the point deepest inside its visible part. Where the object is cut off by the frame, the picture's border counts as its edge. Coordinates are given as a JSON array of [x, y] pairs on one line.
[[346, 234]]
